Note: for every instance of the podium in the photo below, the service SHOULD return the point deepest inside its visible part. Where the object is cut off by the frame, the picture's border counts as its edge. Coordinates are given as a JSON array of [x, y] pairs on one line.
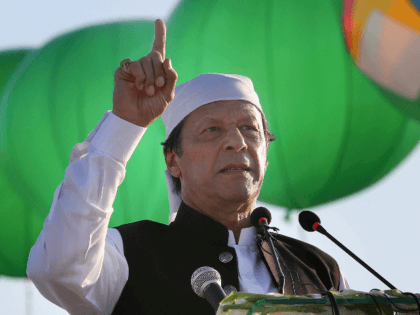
[[348, 302]]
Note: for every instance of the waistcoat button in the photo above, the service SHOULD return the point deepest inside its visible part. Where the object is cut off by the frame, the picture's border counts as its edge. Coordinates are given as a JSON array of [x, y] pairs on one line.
[[229, 288], [225, 257]]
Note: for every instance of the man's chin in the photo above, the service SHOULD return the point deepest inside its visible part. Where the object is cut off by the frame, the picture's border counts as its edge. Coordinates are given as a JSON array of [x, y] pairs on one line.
[[236, 195]]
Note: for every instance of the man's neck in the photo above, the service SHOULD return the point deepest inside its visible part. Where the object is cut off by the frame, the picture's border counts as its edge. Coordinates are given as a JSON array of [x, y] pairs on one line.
[[234, 217]]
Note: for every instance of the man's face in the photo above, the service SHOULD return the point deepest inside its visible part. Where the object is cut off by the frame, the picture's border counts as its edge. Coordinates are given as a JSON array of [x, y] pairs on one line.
[[214, 136]]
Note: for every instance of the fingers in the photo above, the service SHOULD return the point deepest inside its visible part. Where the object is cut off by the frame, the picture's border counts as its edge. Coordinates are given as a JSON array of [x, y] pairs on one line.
[[147, 72], [157, 63], [159, 43], [146, 64], [171, 77], [139, 74], [136, 72], [153, 70]]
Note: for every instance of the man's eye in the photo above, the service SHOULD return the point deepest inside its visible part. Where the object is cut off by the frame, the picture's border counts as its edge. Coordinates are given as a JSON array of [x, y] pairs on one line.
[[215, 128], [251, 127]]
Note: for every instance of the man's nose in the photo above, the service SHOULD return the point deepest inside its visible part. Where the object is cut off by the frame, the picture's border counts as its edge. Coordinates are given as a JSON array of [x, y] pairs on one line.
[[235, 140]]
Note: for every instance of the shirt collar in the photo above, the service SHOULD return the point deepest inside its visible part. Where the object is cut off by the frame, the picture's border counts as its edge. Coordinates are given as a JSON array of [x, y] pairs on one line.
[[246, 238], [205, 229]]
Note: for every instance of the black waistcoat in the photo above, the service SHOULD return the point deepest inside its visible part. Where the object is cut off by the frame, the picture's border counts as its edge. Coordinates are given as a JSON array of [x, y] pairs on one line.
[[162, 258]]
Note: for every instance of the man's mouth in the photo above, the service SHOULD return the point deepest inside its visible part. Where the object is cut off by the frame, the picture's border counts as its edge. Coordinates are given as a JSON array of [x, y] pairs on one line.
[[234, 170]]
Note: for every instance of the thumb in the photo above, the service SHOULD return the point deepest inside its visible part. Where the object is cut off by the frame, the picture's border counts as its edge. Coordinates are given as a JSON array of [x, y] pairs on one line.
[[170, 81]]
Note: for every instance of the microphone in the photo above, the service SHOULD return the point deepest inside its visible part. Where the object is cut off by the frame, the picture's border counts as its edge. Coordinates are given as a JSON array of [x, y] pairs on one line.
[[310, 222], [261, 218], [260, 215], [206, 282]]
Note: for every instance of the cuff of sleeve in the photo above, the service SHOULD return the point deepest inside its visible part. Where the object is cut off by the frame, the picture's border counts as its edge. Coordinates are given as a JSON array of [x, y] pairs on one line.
[[118, 138]]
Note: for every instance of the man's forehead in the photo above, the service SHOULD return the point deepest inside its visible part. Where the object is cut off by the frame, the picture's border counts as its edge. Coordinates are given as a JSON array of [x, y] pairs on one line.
[[217, 111], [208, 118]]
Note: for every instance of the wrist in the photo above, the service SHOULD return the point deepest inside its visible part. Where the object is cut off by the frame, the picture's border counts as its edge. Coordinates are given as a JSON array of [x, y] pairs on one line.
[[140, 123]]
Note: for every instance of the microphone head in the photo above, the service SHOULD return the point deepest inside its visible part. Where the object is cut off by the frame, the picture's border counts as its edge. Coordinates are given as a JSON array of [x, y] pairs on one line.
[[307, 219], [202, 277], [259, 213]]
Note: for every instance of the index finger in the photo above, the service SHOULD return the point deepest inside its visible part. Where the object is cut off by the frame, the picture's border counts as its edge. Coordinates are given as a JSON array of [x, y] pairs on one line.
[[160, 37]]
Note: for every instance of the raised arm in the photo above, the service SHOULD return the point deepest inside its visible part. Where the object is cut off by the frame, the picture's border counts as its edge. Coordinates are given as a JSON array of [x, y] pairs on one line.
[[77, 262]]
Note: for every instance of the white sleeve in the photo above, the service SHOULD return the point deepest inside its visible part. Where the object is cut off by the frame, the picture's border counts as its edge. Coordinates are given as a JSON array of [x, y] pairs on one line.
[[77, 262], [344, 284]]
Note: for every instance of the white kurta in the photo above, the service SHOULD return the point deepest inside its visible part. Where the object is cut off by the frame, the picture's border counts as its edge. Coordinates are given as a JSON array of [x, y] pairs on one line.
[[77, 262]]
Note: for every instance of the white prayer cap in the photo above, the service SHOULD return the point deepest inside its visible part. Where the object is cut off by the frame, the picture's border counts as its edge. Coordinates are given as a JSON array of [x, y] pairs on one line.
[[203, 89]]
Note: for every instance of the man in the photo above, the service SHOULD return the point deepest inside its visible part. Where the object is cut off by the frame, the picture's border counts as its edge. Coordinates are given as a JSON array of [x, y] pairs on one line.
[[216, 157]]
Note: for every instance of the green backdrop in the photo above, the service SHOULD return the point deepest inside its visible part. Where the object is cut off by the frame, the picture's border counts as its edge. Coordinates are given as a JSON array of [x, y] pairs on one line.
[[336, 132]]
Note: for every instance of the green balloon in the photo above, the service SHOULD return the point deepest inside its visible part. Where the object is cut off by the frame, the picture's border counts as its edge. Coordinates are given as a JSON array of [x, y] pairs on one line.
[[14, 209], [336, 133], [9, 61], [58, 95]]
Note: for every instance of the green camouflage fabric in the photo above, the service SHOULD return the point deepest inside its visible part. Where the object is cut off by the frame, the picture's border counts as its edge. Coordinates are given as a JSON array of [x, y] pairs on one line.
[[348, 301]]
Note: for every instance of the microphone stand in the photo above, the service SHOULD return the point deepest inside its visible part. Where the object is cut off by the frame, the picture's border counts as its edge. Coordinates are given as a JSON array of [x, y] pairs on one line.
[[321, 230], [264, 226]]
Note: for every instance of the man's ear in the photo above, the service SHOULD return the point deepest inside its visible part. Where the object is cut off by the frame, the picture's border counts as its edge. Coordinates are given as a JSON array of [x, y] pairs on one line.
[[171, 160]]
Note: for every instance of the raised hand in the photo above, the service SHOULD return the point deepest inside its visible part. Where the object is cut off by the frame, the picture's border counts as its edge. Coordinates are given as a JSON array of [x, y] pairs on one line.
[[145, 87]]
